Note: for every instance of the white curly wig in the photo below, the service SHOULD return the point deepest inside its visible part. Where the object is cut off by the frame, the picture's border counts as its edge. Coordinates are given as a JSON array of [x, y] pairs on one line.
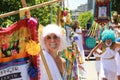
[[58, 31]]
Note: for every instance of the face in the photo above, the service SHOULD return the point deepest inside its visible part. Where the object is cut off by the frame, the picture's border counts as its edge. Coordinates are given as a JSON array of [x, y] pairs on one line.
[[108, 42], [52, 42], [115, 16]]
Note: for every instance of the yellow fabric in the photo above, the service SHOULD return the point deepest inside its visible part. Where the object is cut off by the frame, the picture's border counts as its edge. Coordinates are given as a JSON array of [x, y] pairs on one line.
[[81, 60], [24, 13], [17, 56], [23, 34], [68, 55]]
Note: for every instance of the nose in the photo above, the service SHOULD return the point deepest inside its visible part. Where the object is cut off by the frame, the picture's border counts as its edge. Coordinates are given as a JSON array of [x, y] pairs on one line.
[[52, 39]]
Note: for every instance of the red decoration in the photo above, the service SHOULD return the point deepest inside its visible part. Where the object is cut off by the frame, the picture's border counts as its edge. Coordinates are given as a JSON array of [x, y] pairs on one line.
[[32, 24], [65, 13]]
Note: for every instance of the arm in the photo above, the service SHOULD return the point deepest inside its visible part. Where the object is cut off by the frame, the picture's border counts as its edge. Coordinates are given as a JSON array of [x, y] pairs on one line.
[[116, 45], [118, 30], [79, 33], [116, 26], [96, 50]]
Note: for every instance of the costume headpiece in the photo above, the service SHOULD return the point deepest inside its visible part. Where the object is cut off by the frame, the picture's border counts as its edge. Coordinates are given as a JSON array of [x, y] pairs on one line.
[[58, 31], [108, 34]]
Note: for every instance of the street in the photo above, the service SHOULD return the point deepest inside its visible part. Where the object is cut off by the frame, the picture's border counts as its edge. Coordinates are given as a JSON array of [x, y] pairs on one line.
[[91, 72]]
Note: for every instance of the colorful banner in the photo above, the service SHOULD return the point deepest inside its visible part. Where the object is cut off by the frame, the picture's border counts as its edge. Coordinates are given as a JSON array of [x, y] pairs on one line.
[[15, 70], [102, 12]]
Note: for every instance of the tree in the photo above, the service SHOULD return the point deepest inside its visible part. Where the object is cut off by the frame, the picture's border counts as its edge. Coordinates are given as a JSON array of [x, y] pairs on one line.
[[45, 15], [116, 5], [85, 18], [7, 6]]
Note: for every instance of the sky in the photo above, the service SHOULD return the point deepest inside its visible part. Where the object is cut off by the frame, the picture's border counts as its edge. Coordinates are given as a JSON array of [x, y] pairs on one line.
[[73, 4]]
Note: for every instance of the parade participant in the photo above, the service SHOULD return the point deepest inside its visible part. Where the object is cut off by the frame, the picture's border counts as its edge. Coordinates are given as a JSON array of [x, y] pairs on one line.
[[118, 60], [115, 25], [97, 62], [107, 50], [79, 40], [52, 40]]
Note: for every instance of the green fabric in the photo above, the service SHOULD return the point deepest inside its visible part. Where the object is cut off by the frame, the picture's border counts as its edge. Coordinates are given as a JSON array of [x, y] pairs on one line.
[[90, 42]]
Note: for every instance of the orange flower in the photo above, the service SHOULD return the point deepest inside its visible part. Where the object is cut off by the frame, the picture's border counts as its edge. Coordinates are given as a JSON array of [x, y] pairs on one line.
[[33, 48]]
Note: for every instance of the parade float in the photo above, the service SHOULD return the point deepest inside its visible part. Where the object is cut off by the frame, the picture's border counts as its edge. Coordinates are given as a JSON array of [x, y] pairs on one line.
[[20, 49]]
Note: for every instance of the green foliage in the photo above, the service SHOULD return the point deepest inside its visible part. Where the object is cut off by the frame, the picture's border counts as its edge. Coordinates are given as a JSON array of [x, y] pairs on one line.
[[7, 6], [84, 18], [7, 23], [45, 15], [116, 5], [119, 19]]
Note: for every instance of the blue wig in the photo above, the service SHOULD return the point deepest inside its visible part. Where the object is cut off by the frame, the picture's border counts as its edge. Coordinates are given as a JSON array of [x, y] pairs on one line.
[[108, 34]]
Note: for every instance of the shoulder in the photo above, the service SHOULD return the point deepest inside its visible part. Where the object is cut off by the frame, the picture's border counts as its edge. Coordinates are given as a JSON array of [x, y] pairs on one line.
[[78, 30], [115, 45]]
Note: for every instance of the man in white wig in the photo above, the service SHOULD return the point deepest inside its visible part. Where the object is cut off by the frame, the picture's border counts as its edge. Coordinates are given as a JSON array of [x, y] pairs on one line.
[[52, 40]]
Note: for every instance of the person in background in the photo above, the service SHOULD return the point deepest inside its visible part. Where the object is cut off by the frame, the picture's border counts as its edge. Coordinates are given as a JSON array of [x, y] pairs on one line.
[[97, 62], [117, 57], [115, 25], [52, 40], [106, 48], [79, 40]]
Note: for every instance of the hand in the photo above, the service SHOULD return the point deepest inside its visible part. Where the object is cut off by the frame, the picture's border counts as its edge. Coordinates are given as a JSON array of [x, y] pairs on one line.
[[87, 58], [82, 68]]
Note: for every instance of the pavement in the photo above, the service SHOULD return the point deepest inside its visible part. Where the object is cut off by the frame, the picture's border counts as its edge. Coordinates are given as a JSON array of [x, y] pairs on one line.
[[90, 70]]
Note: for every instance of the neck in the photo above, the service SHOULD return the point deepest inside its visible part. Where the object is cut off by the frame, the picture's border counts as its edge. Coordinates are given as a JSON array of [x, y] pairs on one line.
[[53, 53], [115, 22]]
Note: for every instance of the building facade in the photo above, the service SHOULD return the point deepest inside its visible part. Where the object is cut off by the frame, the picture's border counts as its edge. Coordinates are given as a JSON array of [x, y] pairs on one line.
[[89, 6]]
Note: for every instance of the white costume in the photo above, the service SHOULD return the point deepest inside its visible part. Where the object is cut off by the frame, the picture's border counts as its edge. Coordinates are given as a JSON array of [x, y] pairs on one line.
[[117, 34], [108, 68], [80, 47], [54, 71], [52, 67], [80, 43], [117, 57], [97, 62], [68, 34]]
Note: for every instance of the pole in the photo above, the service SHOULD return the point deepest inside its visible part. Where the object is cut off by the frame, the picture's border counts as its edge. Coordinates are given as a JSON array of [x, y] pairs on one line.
[[23, 3], [31, 8]]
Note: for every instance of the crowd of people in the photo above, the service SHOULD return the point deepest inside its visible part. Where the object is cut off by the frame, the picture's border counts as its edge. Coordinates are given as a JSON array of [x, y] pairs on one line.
[[53, 41], [107, 52], [62, 55]]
